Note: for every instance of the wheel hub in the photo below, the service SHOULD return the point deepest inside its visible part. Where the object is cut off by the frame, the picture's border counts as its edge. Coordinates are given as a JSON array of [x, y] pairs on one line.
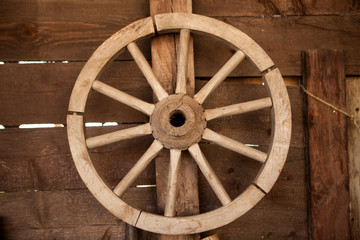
[[178, 121]]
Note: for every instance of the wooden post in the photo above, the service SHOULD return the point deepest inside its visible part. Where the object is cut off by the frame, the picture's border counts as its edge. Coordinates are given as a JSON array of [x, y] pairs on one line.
[[353, 106], [327, 132], [164, 63]]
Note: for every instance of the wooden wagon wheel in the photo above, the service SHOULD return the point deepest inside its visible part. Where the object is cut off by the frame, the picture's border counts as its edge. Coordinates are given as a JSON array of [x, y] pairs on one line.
[[187, 131]]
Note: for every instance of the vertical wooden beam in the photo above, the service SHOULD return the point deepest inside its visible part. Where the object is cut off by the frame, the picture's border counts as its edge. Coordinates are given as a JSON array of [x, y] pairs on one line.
[[131, 233], [353, 106], [164, 52], [325, 78]]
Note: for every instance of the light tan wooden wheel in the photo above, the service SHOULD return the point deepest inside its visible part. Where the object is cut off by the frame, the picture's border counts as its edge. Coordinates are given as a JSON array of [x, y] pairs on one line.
[[189, 128]]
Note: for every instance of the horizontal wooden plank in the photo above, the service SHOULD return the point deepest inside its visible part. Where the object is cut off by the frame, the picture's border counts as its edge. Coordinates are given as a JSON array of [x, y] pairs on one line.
[[283, 38], [37, 212], [37, 101], [67, 213], [39, 159], [274, 7], [286, 202], [63, 30], [110, 232], [44, 163], [40, 93], [236, 172], [110, 11], [31, 159], [252, 127]]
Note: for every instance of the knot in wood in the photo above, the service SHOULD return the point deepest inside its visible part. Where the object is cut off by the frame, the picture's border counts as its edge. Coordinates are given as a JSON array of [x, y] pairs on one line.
[[178, 121]]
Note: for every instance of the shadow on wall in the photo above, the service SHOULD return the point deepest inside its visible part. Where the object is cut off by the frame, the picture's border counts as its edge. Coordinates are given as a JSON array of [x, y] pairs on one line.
[[2, 228]]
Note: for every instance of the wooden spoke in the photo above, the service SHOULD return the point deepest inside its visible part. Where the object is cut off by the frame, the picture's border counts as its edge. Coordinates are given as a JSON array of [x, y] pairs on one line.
[[209, 174], [237, 108], [120, 135], [124, 98], [145, 68], [219, 77], [143, 162], [172, 182], [183, 61], [234, 145]]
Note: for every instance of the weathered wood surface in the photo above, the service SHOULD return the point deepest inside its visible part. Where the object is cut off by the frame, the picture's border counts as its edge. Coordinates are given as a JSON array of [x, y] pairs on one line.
[[275, 7], [42, 39], [57, 212], [111, 232], [43, 30], [40, 102], [325, 77], [284, 38], [114, 12], [165, 62], [64, 214], [30, 158], [288, 193], [353, 106], [41, 93]]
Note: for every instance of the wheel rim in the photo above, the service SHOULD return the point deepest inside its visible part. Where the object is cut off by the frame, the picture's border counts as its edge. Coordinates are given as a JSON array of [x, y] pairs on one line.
[[181, 135]]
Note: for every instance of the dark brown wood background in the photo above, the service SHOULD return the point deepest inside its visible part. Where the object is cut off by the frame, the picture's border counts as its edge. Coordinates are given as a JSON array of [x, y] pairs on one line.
[[42, 195]]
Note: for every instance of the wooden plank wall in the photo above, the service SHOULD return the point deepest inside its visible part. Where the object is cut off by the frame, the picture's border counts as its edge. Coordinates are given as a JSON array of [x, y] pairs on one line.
[[353, 106], [42, 195], [329, 175]]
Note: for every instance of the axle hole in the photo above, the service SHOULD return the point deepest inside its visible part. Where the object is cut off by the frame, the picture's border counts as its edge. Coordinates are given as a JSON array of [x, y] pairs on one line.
[[177, 118]]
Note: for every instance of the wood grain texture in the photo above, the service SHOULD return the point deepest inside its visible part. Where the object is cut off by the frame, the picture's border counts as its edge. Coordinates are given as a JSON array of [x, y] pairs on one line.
[[124, 98], [35, 212], [353, 100], [219, 76], [209, 174], [46, 30], [325, 77], [72, 39], [286, 200], [41, 93], [182, 61], [109, 50], [199, 223], [174, 166], [64, 214], [65, 30], [275, 7], [238, 108], [233, 145], [203, 222], [30, 158], [93, 180], [120, 135], [281, 130], [38, 101], [41, 159], [283, 38], [146, 69], [138, 168], [213, 28], [111, 232], [164, 55], [237, 93]]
